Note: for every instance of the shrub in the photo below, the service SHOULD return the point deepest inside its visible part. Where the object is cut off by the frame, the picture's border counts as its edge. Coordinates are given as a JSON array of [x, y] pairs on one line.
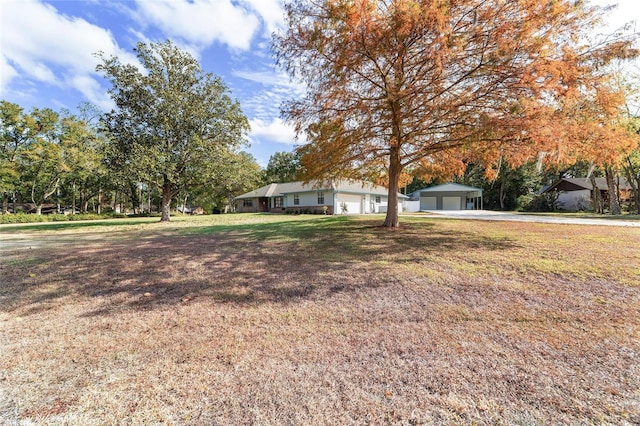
[[21, 218], [547, 202], [34, 218]]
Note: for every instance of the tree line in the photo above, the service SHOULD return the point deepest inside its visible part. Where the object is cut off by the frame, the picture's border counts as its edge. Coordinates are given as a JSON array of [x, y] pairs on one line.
[[174, 134], [71, 162]]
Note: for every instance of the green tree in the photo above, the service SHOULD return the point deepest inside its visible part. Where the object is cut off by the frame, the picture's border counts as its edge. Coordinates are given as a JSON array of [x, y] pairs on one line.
[[172, 120], [42, 161], [510, 183], [430, 85], [238, 173], [14, 137], [84, 156], [283, 167]]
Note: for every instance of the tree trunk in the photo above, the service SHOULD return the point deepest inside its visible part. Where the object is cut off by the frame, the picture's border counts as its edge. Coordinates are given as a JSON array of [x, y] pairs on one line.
[[634, 183], [100, 200], [596, 197], [39, 209], [502, 195], [5, 202], [614, 203], [166, 201], [84, 202], [73, 198], [391, 220], [231, 206]]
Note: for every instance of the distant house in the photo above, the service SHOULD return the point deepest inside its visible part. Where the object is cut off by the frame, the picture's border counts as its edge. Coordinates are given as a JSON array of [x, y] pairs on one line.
[[342, 197], [574, 194], [194, 210], [449, 196]]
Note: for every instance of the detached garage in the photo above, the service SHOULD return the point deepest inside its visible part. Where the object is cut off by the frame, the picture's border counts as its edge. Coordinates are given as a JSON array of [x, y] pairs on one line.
[[450, 196]]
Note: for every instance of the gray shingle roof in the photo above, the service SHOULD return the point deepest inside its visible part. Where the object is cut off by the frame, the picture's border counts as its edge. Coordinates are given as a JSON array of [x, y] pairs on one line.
[[582, 183], [449, 187], [355, 187]]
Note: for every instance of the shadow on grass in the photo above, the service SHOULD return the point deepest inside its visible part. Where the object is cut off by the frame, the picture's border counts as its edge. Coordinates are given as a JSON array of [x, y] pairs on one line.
[[282, 262]]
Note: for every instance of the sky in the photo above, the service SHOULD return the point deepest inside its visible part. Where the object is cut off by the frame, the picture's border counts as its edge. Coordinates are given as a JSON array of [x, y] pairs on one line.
[[48, 52]]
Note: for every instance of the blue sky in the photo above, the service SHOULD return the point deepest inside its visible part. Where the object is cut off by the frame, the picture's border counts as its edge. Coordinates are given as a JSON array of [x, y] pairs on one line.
[[47, 52], [48, 46]]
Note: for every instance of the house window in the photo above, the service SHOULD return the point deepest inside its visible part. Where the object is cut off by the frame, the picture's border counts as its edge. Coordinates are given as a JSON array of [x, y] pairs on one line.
[[378, 199], [277, 202], [296, 199], [320, 197], [247, 203]]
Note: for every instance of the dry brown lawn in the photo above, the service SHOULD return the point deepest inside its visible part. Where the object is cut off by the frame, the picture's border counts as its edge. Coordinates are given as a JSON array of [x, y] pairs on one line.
[[272, 320]]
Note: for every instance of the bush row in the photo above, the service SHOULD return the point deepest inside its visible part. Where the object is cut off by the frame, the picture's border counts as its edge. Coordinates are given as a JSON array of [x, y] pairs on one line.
[[318, 210], [34, 218]]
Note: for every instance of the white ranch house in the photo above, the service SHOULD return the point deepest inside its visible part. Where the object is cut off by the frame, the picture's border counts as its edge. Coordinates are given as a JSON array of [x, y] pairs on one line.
[[342, 197]]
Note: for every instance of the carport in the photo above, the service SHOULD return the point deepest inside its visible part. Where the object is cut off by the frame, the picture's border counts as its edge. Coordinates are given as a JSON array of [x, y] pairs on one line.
[[449, 196]]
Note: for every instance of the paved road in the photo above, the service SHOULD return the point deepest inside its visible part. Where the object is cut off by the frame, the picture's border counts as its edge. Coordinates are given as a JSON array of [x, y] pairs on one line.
[[493, 215]]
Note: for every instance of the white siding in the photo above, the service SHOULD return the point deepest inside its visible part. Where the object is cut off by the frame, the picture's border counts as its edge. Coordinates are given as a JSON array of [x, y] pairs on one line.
[[308, 199], [385, 206], [411, 206]]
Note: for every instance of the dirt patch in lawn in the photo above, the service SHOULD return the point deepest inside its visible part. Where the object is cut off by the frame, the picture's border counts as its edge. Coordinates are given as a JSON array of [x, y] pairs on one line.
[[330, 321]]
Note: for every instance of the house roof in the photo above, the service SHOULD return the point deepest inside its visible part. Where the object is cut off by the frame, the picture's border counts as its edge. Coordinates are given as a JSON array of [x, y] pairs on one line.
[[582, 183], [359, 187], [265, 191], [279, 189]]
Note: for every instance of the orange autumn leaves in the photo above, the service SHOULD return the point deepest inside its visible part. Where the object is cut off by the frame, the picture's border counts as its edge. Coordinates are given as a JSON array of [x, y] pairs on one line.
[[431, 85]]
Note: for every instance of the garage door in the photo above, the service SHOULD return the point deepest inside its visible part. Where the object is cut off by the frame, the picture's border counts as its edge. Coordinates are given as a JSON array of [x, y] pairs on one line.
[[353, 203], [451, 203], [428, 203]]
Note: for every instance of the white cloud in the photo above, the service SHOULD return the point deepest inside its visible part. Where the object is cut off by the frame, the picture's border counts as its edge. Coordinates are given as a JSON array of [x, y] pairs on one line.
[[42, 45], [202, 22], [7, 73], [265, 103], [274, 131], [265, 77], [271, 13], [626, 11], [91, 89]]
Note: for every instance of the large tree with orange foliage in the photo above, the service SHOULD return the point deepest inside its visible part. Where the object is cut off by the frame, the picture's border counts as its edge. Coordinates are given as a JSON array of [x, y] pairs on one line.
[[427, 85]]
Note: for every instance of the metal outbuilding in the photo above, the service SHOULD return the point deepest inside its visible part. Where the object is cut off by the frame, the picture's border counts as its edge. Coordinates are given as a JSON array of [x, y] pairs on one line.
[[449, 196]]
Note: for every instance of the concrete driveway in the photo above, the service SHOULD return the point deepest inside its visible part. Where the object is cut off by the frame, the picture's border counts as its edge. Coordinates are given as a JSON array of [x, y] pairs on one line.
[[516, 217]]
